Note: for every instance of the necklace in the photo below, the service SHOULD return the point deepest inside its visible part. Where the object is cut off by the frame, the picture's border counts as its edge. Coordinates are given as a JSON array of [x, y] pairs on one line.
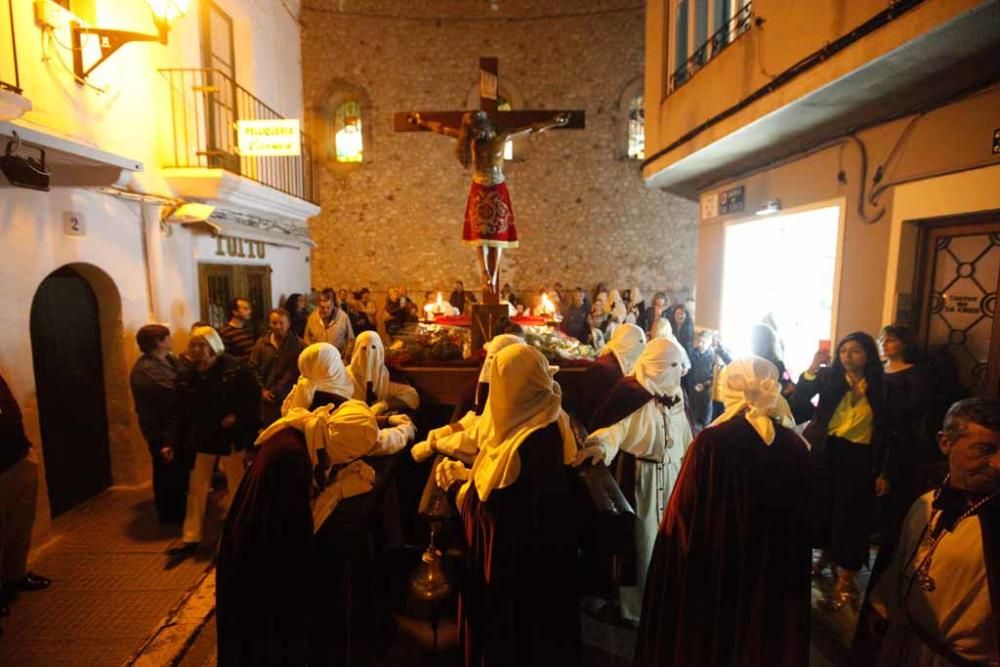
[[921, 575]]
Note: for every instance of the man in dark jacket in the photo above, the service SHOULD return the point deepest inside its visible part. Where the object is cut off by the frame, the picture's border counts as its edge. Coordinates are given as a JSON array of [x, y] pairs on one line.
[[275, 363], [18, 500], [218, 403], [152, 380]]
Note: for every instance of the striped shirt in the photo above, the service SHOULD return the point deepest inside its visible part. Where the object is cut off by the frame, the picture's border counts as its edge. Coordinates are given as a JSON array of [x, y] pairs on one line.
[[239, 341]]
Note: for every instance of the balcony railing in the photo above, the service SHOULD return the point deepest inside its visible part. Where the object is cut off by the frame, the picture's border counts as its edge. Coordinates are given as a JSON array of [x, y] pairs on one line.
[[713, 46], [10, 79], [204, 107]]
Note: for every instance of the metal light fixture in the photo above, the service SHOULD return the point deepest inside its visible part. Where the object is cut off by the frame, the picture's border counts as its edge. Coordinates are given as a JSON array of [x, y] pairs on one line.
[[769, 208], [165, 12]]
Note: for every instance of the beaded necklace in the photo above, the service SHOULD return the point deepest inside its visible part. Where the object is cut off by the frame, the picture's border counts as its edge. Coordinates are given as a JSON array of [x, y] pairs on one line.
[[921, 575]]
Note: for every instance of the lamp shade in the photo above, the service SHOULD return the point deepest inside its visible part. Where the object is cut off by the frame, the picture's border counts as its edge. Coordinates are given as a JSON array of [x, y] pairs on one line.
[[167, 11]]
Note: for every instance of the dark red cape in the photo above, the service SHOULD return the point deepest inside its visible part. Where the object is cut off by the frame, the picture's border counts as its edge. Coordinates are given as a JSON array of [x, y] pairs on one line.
[[729, 580], [597, 383], [263, 578], [519, 595]]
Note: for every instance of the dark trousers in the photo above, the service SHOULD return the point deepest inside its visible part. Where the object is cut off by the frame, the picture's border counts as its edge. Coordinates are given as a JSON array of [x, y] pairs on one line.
[[851, 485], [170, 486], [701, 407]]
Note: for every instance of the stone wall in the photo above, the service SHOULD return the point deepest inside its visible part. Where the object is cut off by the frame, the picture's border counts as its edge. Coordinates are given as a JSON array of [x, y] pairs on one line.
[[582, 211]]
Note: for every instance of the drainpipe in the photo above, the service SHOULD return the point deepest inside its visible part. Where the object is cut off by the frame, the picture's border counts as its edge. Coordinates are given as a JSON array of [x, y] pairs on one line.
[[152, 255]]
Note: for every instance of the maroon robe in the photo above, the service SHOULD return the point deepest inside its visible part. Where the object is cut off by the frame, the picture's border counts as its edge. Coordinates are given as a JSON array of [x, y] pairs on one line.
[[263, 575], [597, 383], [519, 596], [729, 581]]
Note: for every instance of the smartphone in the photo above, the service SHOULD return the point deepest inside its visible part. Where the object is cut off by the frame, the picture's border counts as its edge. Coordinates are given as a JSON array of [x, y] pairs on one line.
[[825, 345]]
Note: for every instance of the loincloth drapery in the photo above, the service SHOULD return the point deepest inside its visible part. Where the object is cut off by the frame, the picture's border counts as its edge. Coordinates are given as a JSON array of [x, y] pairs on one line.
[[489, 217]]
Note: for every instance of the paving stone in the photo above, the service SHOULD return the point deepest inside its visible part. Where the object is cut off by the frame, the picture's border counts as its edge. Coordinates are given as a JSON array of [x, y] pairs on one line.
[[113, 585]]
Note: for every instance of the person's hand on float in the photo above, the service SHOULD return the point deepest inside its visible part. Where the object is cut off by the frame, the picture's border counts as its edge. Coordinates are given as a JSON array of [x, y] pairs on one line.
[[167, 454], [380, 407], [448, 472], [882, 486], [593, 455], [228, 421], [422, 451], [399, 420]]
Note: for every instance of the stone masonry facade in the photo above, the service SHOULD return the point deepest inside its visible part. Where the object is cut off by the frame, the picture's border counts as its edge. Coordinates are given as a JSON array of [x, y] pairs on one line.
[[582, 210]]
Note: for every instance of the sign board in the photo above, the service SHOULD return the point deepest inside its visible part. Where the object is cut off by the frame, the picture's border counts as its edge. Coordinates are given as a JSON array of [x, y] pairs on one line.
[[73, 224], [262, 138], [731, 201], [229, 246], [710, 206]]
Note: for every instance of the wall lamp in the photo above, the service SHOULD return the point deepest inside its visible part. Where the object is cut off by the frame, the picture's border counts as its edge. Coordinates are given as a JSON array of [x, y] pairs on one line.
[[769, 208], [165, 12]]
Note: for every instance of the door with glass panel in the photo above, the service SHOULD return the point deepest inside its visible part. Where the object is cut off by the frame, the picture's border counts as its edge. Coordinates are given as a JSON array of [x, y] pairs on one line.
[[960, 278], [219, 86]]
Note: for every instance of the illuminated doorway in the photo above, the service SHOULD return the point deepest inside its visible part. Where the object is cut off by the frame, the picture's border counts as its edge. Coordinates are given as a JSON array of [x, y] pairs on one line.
[[783, 268]]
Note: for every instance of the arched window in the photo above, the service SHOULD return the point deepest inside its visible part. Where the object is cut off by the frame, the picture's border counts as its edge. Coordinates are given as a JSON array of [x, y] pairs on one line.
[[342, 118], [349, 145], [636, 129], [630, 125]]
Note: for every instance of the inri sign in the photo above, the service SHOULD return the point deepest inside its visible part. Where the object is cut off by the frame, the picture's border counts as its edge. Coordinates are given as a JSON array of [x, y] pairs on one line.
[[268, 137]]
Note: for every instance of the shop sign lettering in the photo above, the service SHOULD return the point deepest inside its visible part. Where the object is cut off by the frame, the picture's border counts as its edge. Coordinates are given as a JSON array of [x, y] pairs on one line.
[[228, 246], [965, 305]]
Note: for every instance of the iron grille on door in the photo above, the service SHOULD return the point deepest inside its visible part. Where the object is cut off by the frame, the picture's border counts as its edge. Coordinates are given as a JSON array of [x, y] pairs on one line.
[[220, 283], [962, 278]]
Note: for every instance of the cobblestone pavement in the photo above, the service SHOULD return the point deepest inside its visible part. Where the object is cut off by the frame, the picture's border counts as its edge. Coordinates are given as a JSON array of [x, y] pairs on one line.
[[113, 585]]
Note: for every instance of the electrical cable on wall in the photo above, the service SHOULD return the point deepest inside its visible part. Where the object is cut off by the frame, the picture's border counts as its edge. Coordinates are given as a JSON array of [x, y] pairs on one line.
[[459, 19], [759, 42], [864, 177]]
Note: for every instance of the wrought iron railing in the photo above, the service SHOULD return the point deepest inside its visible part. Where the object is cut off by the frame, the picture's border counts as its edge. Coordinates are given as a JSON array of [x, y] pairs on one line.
[[204, 107], [738, 24], [8, 58]]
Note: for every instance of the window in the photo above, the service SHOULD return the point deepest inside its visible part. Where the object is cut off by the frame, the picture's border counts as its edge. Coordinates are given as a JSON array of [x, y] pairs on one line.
[[508, 148], [343, 114], [636, 129], [630, 125], [693, 44], [348, 139]]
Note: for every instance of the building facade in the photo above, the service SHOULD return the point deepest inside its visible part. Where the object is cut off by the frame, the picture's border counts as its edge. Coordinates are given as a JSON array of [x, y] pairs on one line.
[[395, 216], [158, 208], [881, 114]]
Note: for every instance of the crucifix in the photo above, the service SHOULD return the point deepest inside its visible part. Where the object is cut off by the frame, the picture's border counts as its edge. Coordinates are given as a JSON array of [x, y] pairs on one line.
[[481, 136]]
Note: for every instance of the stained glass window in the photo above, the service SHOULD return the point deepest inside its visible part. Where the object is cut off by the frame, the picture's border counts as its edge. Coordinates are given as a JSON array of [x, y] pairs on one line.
[[347, 132], [636, 129]]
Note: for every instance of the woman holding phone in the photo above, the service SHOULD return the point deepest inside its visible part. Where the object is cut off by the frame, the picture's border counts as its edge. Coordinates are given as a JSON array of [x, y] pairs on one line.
[[847, 436]]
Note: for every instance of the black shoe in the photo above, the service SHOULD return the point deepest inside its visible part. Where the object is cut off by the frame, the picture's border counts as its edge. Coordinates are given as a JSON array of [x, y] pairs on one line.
[[32, 581], [183, 549]]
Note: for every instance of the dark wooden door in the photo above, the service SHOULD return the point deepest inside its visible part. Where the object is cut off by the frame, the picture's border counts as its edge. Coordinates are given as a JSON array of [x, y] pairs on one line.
[[960, 283], [69, 379]]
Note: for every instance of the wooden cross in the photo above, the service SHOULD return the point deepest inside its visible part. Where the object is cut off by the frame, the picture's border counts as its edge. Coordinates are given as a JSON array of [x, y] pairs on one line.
[[489, 87]]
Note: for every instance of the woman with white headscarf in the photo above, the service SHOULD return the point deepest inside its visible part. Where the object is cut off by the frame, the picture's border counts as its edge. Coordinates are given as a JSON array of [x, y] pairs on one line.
[[732, 556], [371, 378], [519, 603], [217, 417], [646, 420], [615, 361]]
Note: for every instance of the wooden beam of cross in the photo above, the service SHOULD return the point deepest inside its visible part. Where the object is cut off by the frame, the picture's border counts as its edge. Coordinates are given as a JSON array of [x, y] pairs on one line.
[[489, 94]]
